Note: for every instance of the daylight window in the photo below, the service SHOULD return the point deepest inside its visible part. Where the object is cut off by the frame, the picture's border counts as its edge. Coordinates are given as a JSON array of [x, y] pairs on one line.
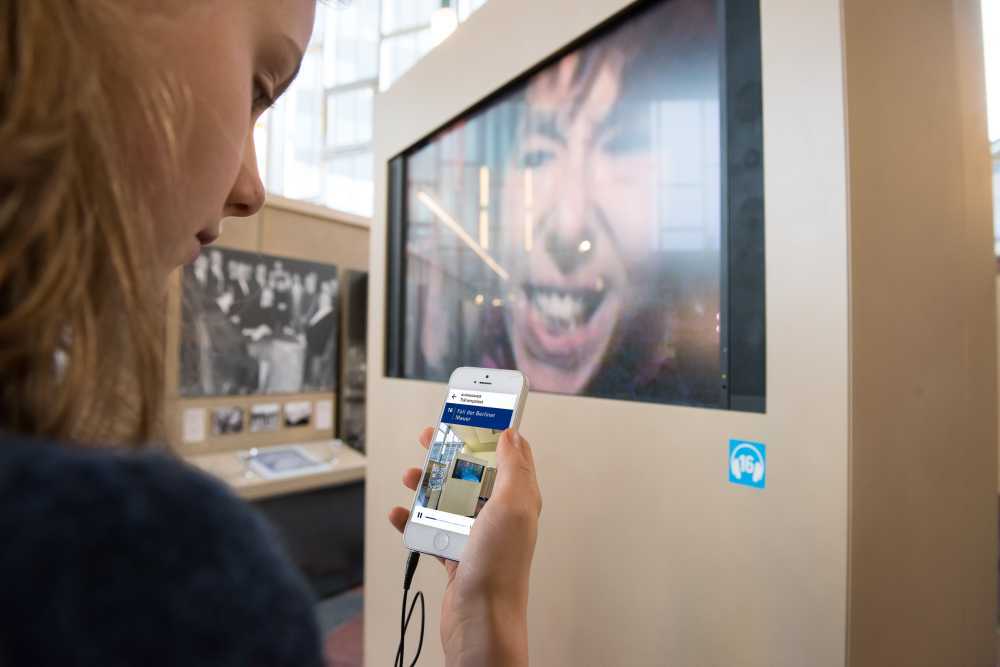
[[315, 145]]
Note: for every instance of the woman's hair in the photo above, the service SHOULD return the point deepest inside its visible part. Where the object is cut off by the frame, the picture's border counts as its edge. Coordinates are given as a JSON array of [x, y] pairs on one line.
[[81, 294]]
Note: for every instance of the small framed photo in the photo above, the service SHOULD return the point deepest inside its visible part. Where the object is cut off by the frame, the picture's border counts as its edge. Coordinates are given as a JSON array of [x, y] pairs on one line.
[[298, 413], [227, 421], [264, 417]]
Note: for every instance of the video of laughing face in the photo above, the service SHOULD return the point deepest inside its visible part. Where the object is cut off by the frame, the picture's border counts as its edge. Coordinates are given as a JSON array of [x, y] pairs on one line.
[[571, 229]]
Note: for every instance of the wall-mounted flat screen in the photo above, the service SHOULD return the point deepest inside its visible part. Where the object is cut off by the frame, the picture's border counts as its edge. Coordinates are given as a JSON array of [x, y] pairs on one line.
[[468, 471], [597, 223]]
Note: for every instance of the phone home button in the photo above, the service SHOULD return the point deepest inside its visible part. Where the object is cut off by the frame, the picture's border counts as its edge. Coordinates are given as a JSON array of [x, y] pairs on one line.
[[441, 541]]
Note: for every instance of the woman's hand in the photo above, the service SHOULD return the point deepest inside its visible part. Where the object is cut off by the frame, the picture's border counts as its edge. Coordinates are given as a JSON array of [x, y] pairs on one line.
[[484, 617]]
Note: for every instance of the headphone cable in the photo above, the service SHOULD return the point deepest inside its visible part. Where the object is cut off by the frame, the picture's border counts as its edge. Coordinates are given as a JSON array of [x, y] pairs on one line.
[[404, 620]]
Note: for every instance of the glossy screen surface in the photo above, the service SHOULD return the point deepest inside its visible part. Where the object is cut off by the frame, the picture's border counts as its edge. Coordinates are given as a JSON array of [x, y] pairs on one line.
[[571, 228]]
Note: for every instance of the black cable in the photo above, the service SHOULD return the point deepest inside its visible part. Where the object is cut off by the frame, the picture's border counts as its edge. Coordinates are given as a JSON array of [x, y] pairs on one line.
[[404, 619], [419, 597]]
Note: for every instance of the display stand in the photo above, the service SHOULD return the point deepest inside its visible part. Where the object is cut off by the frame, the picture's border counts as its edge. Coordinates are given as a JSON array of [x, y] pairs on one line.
[[873, 541]]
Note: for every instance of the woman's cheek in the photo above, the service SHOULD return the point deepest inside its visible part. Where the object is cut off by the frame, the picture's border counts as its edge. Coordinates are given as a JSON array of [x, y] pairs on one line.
[[214, 163], [219, 125], [625, 190]]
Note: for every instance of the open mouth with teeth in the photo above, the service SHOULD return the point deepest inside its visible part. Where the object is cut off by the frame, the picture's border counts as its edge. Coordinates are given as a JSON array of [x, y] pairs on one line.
[[560, 333], [564, 309]]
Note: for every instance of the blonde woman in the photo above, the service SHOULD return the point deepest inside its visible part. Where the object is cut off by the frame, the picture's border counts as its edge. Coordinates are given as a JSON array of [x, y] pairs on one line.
[[125, 138]]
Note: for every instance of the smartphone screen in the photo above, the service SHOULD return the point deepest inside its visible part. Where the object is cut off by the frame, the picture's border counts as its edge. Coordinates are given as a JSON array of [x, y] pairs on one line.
[[462, 462]]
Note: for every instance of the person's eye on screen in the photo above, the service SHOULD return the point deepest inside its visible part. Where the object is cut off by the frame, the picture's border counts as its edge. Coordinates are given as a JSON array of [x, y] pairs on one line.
[[537, 158], [626, 142]]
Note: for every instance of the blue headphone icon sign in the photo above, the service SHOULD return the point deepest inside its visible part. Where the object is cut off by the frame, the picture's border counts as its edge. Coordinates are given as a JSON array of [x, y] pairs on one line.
[[747, 463]]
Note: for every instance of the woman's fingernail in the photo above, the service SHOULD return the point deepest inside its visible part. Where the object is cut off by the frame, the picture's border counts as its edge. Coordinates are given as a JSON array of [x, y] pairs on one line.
[[515, 438]]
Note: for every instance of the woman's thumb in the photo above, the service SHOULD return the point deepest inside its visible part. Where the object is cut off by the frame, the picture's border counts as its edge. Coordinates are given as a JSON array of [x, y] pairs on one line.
[[515, 464]]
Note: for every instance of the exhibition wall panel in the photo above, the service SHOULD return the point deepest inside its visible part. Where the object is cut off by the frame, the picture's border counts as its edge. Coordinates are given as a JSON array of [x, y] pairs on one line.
[[923, 425], [276, 277], [647, 554], [873, 539]]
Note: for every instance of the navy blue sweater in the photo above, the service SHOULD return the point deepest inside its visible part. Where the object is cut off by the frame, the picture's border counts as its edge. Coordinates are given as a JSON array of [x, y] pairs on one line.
[[136, 559]]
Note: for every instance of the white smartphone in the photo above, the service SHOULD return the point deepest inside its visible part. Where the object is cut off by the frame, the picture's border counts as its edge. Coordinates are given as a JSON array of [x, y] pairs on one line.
[[461, 465]]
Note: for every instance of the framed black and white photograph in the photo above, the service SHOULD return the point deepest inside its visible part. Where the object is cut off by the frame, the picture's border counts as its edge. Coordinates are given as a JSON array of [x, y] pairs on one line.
[[298, 413], [264, 417], [257, 324], [227, 421]]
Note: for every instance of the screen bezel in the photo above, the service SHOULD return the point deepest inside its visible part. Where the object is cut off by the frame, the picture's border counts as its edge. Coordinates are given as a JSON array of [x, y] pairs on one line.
[[742, 325], [418, 537]]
